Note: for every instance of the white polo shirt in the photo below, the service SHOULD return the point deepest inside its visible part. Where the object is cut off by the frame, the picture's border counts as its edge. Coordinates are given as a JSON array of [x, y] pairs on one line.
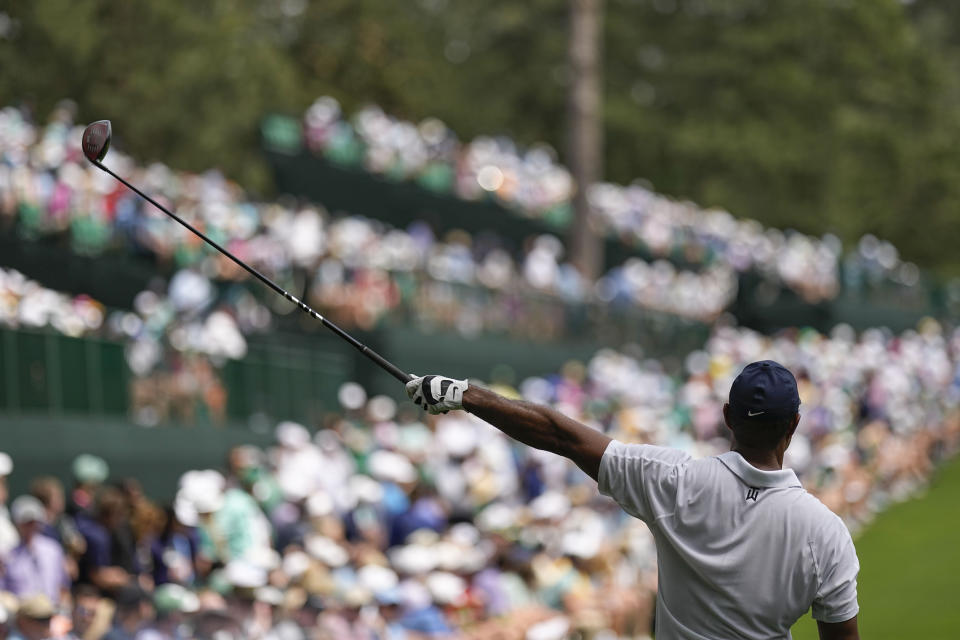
[[742, 553]]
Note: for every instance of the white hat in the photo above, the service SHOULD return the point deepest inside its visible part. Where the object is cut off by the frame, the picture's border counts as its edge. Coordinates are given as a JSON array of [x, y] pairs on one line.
[[377, 579], [268, 594], [203, 490], [473, 560], [189, 478], [326, 551], [457, 435], [366, 489], [356, 596], [448, 554], [381, 408], [214, 478], [319, 504], [295, 482], [351, 395], [190, 290], [295, 564], [195, 478], [292, 435], [264, 557], [6, 464], [552, 629], [414, 595], [328, 441], [27, 509], [392, 467], [423, 536], [244, 575], [497, 517], [414, 559], [550, 505], [207, 499], [446, 588], [184, 510], [581, 543], [464, 533]]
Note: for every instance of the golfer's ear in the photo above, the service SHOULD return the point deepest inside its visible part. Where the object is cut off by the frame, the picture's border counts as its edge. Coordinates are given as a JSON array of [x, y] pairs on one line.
[[796, 421], [726, 415]]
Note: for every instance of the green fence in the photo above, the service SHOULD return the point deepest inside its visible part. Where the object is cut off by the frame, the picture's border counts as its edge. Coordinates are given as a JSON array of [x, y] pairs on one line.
[[286, 381], [56, 374], [42, 372]]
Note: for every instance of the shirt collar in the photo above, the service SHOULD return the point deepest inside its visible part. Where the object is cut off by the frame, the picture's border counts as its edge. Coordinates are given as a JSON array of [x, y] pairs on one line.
[[758, 477]]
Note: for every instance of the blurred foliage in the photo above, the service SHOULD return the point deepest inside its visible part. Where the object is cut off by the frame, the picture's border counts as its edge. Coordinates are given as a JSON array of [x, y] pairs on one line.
[[183, 83], [818, 115]]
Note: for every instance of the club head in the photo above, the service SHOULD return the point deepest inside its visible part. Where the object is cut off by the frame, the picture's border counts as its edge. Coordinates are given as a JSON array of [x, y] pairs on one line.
[[96, 140]]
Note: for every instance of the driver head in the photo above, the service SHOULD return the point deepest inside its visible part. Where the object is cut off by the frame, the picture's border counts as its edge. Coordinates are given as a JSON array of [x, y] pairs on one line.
[[96, 140]]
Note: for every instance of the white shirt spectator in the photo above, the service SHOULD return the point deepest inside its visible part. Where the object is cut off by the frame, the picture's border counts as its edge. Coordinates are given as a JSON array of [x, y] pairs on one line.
[[8, 533]]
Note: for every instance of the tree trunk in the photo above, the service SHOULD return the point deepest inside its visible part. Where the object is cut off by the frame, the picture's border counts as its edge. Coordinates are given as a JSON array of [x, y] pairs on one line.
[[585, 145]]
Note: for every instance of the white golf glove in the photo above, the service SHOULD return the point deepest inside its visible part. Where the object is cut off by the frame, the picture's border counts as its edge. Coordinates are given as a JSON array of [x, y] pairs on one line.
[[437, 394]]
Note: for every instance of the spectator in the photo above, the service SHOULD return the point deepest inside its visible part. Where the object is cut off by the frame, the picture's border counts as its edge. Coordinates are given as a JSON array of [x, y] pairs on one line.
[[36, 564], [59, 525], [33, 619], [174, 552], [8, 533], [486, 538], [133, 612], [173, 604], [87, 603], [232, 527], [89, 472], [110, 559]]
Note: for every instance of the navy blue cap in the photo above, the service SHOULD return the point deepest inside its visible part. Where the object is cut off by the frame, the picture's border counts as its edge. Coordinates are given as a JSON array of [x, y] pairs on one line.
[[766, 389]]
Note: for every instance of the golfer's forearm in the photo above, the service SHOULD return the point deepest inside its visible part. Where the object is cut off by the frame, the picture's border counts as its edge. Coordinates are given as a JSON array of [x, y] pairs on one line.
[[539, 427], [531, 424], [839, 630]]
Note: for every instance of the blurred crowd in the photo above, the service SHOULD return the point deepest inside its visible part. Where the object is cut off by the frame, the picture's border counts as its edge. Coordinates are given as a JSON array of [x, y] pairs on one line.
[[383, 522], [365, 267], [175, 338], [531, 182]]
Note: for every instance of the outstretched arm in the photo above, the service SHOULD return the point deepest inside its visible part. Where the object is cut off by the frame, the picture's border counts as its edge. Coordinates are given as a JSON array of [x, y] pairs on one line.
[[534, 425], [539, 427]]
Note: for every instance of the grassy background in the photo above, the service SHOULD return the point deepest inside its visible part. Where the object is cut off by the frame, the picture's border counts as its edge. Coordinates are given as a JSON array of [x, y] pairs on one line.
[[909, 585]]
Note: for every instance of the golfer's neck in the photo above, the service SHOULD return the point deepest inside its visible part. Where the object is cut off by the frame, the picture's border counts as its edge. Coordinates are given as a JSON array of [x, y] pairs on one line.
[[765, 460]]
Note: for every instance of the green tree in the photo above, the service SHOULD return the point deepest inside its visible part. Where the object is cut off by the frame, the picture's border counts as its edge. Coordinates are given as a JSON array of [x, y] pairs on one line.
[[483, 67], [820, 115], [186, 84], [799, 114]]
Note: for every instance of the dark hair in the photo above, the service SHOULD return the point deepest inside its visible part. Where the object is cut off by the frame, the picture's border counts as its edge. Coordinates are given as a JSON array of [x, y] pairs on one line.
[[43, 489], [761, 434], [110, 502], [85, 590]]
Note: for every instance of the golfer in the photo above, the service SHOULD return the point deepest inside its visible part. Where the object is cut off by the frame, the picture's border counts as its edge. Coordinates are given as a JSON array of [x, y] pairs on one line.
[[743, 551]]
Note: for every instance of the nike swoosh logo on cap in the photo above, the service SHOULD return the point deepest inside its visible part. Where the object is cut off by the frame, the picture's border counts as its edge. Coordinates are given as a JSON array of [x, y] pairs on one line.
[[750, 414]]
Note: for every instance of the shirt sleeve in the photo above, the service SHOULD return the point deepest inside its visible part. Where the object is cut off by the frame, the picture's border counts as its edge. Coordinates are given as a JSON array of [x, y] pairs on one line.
[[837, 568], [642, 478]]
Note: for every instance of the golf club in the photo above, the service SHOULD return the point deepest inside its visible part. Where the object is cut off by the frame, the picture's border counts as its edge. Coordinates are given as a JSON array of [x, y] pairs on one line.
[[96, 141]]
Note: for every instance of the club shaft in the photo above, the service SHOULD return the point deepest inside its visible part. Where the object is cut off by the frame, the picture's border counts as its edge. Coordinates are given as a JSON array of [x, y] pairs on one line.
[[385, 364]]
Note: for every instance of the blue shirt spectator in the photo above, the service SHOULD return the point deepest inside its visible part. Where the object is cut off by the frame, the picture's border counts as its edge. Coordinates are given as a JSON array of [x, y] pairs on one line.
[[36, 565]]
